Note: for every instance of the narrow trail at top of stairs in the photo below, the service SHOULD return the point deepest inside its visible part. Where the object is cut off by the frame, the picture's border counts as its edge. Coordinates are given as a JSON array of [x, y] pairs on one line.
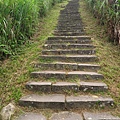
[[70, 80]]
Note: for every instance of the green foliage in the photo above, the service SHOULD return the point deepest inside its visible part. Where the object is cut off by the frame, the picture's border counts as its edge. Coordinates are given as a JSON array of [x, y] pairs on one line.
[[108, 13], [16, 93], [18, 19]]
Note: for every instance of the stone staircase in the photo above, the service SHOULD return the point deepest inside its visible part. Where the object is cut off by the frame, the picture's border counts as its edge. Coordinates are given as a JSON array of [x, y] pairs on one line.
[[67, 75]]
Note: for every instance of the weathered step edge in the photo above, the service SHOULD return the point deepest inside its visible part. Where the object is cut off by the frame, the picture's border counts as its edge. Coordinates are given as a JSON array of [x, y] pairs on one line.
[[63, 87], [68, 52], [59, 101], [67, 75], [70, 34], [69, 41], [69, 37], [67, 66], [66, 115], [70, 58], [68, 46]]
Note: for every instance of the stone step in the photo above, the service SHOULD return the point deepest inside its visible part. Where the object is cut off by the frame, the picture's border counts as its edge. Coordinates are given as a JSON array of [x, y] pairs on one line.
[[69, 12], [72, 21], [69, 41], [70, 15], [99, 116], [63, 12], [75, 14], [68, 115], [71, 8], [53, 101], [31, 116], [68, 66], [62, 75], [88, 101], [68, 52], [63, 87], [69, 38], [69, 28], [68, 18], [68, 33], [65, 115], [70, 58], [59, 101], [68, 46], [70, 25]]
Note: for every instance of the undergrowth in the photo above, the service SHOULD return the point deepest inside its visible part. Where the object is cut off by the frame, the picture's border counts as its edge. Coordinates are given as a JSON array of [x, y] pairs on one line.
[[15, 71], [108, 54], [18, 20], [108, 13]]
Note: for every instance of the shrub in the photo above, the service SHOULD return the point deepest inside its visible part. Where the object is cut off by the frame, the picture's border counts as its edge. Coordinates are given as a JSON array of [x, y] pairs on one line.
[[108, 13], [18, 18]]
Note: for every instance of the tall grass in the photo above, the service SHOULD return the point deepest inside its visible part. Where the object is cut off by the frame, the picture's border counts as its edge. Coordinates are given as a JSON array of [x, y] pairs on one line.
[[18, 19], [108, 13]]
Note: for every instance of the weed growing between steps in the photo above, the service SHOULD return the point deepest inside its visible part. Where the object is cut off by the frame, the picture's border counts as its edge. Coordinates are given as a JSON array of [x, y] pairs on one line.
[[109, 55], [15, 72]]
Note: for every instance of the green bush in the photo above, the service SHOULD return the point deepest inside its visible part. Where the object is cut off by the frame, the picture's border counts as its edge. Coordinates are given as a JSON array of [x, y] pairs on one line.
[[108, 13], [18, 18]]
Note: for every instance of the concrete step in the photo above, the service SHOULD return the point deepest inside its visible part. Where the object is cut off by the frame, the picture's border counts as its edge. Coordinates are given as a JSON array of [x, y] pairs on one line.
[[73, 22], [69, 58], [64, 87], [66, 20], [69, 38], [68, 46], [69, 23], [73, 28], [99, 116], [69, 33], [70, 15], [65, 115], [53, 101], [62, 75], [79, 27], [59, 101], [67, 17], [31, 116], [88, 101], [68, 52], [69, 41], [68, 66], [67, 12], [68, 115]]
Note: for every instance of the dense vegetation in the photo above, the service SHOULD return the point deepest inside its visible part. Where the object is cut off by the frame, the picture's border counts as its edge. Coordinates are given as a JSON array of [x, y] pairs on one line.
[[108, 13], [18, 19]]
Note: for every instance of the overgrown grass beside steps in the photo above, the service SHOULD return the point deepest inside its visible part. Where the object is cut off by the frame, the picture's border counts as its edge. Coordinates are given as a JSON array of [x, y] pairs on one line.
[[18, 20], [15, 71], [108, 54]]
